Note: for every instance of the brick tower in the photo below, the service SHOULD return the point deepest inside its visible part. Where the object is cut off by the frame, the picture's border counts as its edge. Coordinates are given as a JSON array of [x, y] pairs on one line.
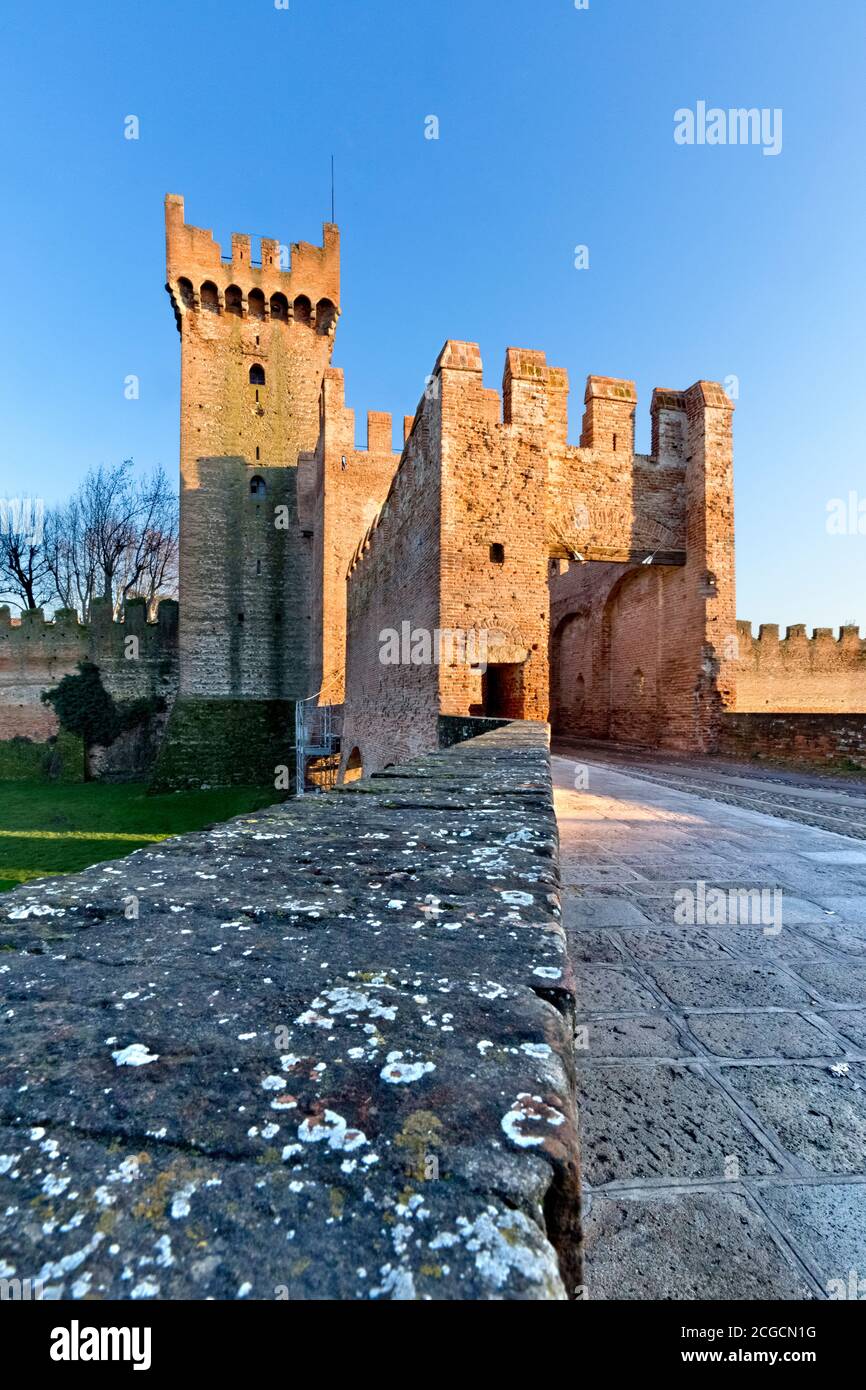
[[256, 339]]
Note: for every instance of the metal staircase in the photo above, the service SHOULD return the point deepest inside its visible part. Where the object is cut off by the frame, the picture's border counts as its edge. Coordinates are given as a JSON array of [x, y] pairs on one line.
[[315, 738]]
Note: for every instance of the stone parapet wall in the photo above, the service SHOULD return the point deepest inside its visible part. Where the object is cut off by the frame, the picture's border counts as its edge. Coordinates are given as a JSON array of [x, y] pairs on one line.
[[368, 1092], [835, 739]]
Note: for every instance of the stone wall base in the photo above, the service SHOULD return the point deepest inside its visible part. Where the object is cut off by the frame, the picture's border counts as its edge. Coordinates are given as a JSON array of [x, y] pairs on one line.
[[222, 743], [837, 740]]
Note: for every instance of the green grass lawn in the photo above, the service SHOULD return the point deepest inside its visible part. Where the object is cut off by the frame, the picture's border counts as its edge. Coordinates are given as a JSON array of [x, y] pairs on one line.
[[57, 828]]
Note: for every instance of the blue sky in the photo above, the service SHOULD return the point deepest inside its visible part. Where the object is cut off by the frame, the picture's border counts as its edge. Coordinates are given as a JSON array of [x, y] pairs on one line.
[[556, 129]]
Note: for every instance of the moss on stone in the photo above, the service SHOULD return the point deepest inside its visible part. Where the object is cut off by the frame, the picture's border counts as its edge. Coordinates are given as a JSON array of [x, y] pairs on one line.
[[226, 743]]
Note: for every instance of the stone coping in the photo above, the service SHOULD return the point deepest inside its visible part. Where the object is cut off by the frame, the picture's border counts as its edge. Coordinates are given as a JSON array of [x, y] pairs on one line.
[[319, 1051]]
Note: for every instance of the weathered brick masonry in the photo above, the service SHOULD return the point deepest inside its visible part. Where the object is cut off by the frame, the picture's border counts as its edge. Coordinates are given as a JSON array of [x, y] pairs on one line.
[[35, 655], [255, 342], [256, 339], [642, 651], [834, 739], [398, 1123], [342, 489], [137, 661]]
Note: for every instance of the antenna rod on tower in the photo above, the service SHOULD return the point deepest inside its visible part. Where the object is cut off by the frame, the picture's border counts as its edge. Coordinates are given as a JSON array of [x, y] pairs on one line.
[[333, 215]]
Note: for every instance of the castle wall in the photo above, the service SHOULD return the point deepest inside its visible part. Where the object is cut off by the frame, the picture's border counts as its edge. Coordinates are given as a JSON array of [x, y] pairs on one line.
[[460, 549], [391, 710], [136, 660], [610, 649], [606, 502], [818, 674], [494, 483], [639, 650], [244, 624], [523, 577], [35, 655], [829, 740]]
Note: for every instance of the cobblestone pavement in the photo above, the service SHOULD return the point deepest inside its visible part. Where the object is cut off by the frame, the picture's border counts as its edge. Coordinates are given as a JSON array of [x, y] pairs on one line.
[[836, 802], [722, 1038]]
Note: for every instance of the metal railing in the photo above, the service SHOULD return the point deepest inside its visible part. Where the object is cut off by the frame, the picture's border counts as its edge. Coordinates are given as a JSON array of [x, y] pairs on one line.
[[314, 738]]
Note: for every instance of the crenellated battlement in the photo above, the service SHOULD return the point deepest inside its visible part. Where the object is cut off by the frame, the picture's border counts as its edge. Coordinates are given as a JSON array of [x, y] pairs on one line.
[[298, 545], [455, 356], [103, 633], [608, 573], [769, 644], [821, 673], [410, 425], [343, 487], [607, 502], [256, 339], [366, 540], [293, 285]]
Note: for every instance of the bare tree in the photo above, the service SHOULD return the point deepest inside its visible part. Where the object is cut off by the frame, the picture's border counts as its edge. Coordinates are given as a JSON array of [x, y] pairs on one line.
[[115, 539], [148, 567], [110, 504], [25, 578], [70, 557]]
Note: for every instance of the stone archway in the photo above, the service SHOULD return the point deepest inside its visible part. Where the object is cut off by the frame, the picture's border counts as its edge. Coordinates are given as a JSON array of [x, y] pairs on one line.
[[354, 769]]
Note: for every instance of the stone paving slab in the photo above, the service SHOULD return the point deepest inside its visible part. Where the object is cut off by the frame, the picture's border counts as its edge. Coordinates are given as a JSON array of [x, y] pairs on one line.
[[837, 856], [595, 948], [690, 1245], [761, 1034], [726, 983], [845, 940], [676, 943], [602, 988], [722, 1112], [740, 789], [851, 1023], [789, 948], [836, 982], [638, 1036], [662, 1121], [594, 910], [324, 1050], [817, 1116], [827, 1222], [851, 907]]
